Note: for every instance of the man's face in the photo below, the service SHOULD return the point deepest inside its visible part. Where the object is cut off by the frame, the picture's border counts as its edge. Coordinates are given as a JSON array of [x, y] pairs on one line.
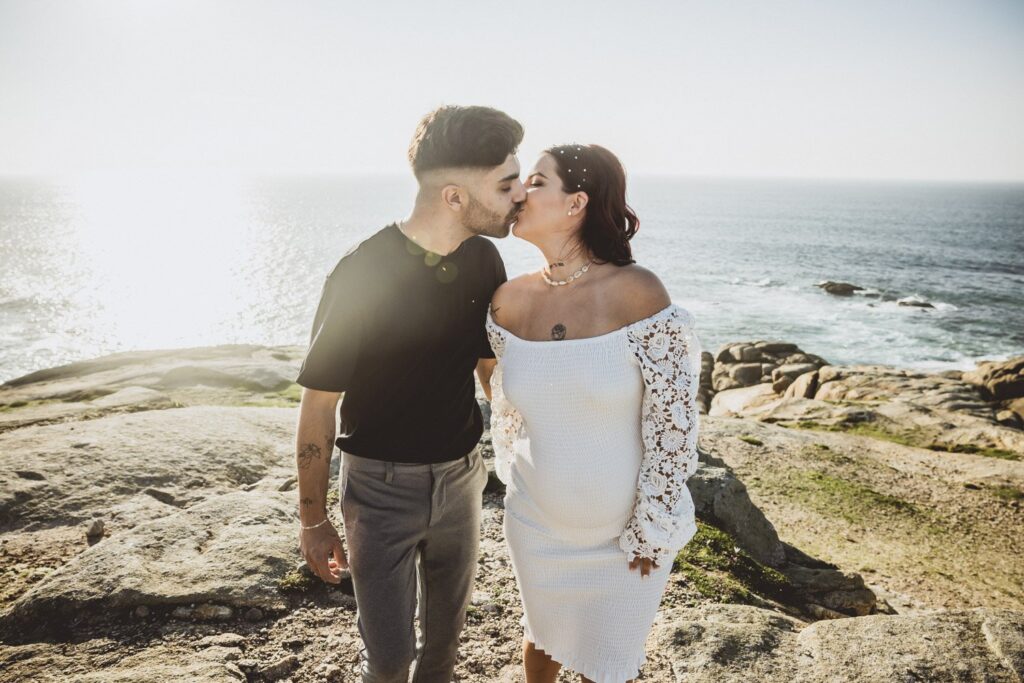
[[495, 198]]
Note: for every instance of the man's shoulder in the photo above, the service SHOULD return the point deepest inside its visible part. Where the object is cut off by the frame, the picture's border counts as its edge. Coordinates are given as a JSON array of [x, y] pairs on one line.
[[483, 247], [362, 253]]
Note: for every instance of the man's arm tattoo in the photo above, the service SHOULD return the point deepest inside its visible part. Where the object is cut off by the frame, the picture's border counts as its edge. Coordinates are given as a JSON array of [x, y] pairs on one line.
[[306, 455]]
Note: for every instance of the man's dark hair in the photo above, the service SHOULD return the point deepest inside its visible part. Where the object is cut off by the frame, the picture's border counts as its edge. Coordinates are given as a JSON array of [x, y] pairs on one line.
[[463, 137]]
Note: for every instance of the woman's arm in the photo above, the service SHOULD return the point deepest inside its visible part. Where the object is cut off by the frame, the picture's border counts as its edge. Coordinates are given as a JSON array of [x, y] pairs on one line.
[[484, 370]]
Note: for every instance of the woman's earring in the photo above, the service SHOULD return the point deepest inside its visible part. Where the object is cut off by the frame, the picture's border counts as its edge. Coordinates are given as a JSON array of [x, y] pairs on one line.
[[569, 214]]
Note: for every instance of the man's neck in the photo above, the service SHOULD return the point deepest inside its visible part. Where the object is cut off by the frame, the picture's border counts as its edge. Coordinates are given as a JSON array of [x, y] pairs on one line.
[[438, 236]]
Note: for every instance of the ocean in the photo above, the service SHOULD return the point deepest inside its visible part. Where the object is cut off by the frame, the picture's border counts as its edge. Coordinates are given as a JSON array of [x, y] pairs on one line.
[[107, 263]]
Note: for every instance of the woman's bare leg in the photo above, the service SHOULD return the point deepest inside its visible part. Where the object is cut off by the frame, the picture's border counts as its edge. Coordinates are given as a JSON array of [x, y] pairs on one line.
[[539, 666]]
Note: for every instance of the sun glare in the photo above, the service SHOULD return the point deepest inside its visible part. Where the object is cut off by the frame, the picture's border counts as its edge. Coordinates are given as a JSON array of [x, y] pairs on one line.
[[163, 253]]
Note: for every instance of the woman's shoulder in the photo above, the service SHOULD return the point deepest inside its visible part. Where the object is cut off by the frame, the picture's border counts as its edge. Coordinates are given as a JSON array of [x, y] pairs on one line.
[[637, 294], [510, 296]]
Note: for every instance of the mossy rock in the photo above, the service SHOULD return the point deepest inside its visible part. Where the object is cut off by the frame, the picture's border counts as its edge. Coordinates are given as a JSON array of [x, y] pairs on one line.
[[714, 564], [18, 405], [978, 450], [1007, 493], [289, 397], [912, 438], [848, 499], [299, 580]]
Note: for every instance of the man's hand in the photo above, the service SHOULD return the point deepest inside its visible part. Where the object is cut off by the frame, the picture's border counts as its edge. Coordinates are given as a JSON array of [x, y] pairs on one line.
[[323, 551], [645, 564]]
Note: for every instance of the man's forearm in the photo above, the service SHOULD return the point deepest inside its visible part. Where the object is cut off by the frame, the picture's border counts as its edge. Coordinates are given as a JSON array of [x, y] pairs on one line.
[[484, 370], [313, 448]]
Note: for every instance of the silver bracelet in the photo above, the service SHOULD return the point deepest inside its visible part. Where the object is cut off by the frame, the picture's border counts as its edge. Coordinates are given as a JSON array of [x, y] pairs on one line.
[[326, 519]]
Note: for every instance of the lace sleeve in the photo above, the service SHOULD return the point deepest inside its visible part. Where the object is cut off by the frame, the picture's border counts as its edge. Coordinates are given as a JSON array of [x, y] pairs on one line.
[[508, 434], [668, 352]]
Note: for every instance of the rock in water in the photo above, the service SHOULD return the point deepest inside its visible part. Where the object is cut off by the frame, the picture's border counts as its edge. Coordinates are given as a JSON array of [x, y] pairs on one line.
[[839, 288]]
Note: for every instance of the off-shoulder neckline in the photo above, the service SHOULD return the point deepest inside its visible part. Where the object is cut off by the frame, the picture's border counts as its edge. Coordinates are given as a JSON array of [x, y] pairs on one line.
[[625, 328]]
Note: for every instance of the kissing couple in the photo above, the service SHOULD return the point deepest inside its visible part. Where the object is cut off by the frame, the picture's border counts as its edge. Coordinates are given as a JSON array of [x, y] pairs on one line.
[[592, 375]]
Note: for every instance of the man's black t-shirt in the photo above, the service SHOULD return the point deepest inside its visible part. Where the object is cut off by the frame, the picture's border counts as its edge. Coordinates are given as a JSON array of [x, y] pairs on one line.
[[399, 331]]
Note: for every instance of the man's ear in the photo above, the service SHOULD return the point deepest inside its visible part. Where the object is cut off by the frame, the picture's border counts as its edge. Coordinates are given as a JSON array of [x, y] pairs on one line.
[[454, 197]]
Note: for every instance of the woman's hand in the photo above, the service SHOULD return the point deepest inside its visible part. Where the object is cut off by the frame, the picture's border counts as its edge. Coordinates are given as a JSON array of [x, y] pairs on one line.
[[645, 564]]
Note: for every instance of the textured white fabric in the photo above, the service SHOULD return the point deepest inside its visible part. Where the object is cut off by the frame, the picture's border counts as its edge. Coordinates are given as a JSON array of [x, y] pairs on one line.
[[594, 439]]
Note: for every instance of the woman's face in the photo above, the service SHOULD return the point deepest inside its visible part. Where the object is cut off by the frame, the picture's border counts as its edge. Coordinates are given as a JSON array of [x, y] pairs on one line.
[[547, 207]]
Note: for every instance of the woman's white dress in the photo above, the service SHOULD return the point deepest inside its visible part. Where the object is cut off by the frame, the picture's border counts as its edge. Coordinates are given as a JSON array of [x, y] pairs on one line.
[[595, 439]]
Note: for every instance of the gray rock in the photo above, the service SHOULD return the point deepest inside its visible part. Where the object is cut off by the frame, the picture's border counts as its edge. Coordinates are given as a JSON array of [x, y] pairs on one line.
[[914, 302], [238, 367], [721, 379], [839, 288], [780, 385], [159, 662], [280, 668], [776, 348], [839, 591], [721, 498], [931, 410], [95, 529], [743, 401], [226, 639], [1000, 380], [136, 397], [746, 374], [137, 466], [706, 389], [202, 554], [748, 354], [738, 643], [211, 612], [1008, 418], [803, 386], [793, 370]]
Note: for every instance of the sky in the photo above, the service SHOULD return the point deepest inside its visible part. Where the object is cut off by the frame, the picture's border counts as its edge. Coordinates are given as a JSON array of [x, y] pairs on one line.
[[917, 89]]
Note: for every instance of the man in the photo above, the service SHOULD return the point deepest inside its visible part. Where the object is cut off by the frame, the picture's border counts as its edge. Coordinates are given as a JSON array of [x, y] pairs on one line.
[[399, 331]]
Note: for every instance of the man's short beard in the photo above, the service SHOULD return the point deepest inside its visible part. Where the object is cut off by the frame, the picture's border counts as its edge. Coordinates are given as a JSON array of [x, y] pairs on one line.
[[479, 220]]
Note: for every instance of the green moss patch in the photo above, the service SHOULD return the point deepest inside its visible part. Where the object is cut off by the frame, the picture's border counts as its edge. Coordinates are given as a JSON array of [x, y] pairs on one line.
[[1006, 492], [295, 581], [850, 500], [751, 440], [719, 569], [912, 438], [19, 405], [978, 450], [861, 429], [289, 397]]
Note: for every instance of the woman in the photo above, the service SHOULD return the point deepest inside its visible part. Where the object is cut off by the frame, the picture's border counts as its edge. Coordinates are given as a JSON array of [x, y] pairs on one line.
[[594, 423]]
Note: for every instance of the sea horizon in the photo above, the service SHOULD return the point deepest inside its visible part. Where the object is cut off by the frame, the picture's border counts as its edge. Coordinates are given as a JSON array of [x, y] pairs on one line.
[[99, 263]]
